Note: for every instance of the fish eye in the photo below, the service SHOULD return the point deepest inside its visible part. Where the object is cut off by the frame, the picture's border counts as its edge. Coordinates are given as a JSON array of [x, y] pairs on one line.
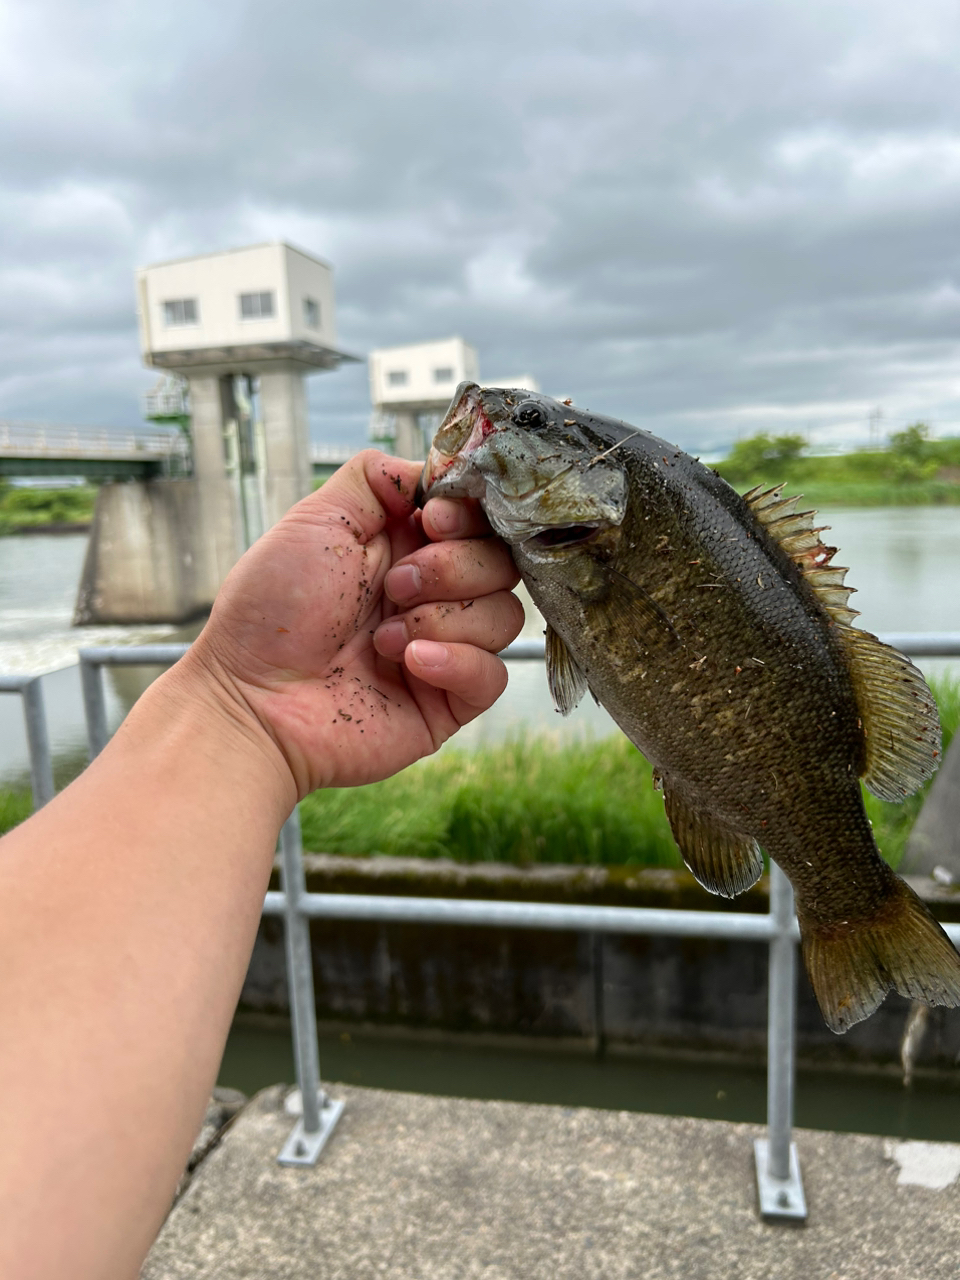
[[530, 415]]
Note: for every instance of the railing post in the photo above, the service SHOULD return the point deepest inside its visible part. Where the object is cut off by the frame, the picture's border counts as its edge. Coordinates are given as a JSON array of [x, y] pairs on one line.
[[778, 1167], [38, 742], [320, 1113], [94, 704]]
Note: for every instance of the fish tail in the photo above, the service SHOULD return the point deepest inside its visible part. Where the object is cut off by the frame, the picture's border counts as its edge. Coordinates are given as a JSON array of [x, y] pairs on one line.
[[852, 964]]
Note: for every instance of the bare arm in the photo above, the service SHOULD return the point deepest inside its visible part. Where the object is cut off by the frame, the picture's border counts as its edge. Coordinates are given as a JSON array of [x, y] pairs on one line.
[[128, 906]]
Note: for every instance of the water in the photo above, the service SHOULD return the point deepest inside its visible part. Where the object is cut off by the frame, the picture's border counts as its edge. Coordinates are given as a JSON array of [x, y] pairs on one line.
[[847, 1103], [905, 564], [39, 575]]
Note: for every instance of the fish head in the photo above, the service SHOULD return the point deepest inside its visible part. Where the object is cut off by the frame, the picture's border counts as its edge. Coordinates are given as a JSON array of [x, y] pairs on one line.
[[545, 477]]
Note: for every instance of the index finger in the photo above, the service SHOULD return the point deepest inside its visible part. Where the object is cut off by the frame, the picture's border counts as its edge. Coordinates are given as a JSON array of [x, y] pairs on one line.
[[445, 518]]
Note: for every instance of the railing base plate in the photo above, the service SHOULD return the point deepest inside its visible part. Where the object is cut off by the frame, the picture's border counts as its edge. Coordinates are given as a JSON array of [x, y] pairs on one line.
[[781, 1199], [302, 1148]]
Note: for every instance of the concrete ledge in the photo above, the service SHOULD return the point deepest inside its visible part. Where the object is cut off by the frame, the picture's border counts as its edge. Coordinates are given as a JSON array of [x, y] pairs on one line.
[[419, 1188]]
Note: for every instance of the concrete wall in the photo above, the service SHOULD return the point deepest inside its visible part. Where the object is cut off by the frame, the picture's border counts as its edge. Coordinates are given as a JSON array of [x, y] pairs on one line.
[[664, 994]]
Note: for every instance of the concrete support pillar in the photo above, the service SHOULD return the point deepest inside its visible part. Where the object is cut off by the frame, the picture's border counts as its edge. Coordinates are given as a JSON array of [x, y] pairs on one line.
[[288, 475], [409, 439], [142, 562], [219, 540]]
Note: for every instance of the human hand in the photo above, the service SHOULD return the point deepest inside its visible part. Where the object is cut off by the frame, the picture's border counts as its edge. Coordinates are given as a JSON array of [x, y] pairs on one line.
[[356, 636]]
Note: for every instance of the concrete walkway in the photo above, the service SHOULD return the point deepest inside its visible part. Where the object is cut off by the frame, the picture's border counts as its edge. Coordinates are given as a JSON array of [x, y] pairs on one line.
[[424, 1188]]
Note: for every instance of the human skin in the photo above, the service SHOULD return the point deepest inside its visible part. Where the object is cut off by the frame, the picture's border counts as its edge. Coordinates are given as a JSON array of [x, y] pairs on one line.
[[352, 639]]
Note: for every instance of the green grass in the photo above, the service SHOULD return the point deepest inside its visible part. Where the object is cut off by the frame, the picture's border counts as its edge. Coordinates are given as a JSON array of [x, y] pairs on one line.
[[532, 800], [525, 801], [35, 508]]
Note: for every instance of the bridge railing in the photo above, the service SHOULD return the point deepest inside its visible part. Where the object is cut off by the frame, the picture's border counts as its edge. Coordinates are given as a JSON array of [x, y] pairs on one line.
[[777, 1168], [39, 440]]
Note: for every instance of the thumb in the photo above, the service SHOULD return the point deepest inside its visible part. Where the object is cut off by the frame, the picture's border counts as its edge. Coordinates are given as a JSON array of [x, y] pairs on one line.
[[365, 494]]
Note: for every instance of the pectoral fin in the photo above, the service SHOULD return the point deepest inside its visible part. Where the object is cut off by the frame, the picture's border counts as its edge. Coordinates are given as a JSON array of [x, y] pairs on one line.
[[722, 860], [567, 682]]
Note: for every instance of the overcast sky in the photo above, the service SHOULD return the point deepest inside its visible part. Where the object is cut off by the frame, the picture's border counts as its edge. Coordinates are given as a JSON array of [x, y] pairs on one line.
[[709, 218]]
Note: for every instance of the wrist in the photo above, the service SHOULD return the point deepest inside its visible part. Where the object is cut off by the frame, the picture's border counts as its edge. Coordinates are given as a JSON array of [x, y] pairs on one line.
[[200, 705]]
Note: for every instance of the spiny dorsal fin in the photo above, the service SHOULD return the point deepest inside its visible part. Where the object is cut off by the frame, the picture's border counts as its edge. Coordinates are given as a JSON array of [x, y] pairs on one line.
[[901, 725], [567, 682], [722, 861], [800, 539]]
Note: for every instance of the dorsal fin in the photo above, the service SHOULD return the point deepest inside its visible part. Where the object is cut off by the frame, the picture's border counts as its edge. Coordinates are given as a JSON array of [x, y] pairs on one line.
[[800, 539], [901, 726]]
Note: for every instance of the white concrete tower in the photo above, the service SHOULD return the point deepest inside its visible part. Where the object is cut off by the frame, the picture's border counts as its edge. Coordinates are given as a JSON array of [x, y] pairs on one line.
[[244, 327]]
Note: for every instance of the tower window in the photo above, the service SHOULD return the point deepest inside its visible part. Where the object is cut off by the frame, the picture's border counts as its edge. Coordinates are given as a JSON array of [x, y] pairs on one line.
[[397, 377], [443, 375], [256, 306], [177, 311], [311, 313]]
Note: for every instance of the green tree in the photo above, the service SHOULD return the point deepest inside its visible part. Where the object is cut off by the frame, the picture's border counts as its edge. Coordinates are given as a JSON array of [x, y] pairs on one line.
[[763, 455], [912, 454]]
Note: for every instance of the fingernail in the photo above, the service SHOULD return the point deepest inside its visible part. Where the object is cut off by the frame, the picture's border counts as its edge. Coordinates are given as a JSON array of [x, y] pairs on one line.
[[403, 583], [448, 517], [390, 639], [427, 653]]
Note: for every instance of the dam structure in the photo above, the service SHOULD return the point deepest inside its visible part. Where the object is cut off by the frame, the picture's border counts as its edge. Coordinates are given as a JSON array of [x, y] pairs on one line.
[[241, 330]]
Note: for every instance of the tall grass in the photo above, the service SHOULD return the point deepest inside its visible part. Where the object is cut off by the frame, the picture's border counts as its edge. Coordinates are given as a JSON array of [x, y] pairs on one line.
[[525, 801]]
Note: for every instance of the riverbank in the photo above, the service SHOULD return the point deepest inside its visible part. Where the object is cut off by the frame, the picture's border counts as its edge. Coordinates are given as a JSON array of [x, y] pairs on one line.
[[913, 471], [33, 510]]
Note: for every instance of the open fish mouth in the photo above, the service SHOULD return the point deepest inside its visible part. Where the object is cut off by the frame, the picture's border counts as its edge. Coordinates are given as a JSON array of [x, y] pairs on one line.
[[464, 428], [572, 535]]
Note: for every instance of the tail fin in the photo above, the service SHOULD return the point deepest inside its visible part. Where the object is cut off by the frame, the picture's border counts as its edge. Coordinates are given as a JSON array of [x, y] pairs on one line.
[[852, 964]]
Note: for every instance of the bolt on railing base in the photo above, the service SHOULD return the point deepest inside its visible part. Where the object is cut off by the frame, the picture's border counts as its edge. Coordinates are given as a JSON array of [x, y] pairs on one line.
[[303, 1148], [781, 1199]]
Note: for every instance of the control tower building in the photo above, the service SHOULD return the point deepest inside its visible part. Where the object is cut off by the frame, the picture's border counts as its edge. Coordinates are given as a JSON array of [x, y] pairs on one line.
[[412, 386], [244, 328]]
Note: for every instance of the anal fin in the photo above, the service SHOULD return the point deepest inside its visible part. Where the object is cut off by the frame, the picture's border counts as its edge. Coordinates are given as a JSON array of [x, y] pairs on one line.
[[567, 682], [852, 964], [723, 861]]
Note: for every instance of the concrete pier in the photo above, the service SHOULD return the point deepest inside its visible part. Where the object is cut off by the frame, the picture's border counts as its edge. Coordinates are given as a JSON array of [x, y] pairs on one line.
[[423, 1188]]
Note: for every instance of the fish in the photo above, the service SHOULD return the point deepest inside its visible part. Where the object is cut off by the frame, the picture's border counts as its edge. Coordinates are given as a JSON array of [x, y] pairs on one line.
[[717, 632]]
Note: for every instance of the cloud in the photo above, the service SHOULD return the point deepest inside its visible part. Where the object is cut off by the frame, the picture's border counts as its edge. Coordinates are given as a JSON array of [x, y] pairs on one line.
[[706, 219]]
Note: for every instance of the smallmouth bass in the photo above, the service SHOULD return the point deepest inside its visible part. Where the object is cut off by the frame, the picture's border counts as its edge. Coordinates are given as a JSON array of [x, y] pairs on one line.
[[716, 632]]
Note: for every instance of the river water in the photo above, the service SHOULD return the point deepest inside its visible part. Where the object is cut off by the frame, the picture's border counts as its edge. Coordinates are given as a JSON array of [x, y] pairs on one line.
[[905, 563]]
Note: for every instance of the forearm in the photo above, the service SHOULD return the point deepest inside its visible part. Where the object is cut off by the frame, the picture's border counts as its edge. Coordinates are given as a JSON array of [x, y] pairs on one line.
[[128, 909]]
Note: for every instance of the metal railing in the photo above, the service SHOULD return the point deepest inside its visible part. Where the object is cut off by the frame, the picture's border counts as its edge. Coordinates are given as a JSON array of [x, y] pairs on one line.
[[42, 440], [777, 1167]]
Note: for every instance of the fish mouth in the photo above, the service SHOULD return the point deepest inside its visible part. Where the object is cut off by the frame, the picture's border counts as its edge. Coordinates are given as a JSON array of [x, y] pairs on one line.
[[558, 537], [464, 428]]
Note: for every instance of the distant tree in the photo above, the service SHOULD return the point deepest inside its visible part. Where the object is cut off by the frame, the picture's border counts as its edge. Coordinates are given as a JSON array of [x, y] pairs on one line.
[[763, 455], [912, 454]]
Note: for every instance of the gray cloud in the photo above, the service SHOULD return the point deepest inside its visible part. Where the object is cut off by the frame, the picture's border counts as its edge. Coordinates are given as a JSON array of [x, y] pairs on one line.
[[708, 219]]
